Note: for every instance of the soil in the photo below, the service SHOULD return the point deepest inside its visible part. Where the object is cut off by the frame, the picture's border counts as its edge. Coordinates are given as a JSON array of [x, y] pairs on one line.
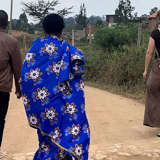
[[116, 127]]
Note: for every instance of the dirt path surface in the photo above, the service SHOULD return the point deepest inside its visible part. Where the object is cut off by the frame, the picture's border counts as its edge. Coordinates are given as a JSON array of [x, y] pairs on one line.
[[116, 128]]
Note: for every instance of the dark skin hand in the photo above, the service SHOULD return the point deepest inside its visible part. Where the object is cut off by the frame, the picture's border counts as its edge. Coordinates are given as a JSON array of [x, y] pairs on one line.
[[19, 95]]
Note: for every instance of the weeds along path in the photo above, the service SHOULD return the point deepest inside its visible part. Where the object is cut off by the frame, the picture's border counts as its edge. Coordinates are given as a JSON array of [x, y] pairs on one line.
[[116, 127]]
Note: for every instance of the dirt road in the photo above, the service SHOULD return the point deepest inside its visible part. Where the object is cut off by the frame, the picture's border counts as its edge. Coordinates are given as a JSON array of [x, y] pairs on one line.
[[116, 127]]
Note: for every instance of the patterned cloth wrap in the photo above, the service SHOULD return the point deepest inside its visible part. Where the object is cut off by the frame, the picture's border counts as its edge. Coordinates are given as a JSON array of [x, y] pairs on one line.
[[52, 89]]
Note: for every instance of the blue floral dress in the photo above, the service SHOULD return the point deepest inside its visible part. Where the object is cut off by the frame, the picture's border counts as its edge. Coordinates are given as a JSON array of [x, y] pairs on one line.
[[53, 96]]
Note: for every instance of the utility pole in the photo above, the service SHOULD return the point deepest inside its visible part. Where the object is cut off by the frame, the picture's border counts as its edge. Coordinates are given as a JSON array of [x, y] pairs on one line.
[[139, 35], [90, 35], [73, 38], [11, 13]]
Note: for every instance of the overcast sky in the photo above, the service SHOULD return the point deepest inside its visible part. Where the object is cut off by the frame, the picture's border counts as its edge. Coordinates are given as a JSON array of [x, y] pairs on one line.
[[94, 7]]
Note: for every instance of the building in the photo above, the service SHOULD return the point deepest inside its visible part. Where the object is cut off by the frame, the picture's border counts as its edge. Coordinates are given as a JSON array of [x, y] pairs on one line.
[[110, 20], [90, 31], [153, 20]]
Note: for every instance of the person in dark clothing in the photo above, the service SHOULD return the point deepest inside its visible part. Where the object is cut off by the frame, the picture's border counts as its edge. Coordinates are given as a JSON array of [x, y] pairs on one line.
[[152, 105], [10, 65]]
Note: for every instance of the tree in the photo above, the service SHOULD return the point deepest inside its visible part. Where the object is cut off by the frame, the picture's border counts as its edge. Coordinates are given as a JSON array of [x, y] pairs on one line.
[[23, 22], [144, 17], [95, 20], [81, 19], [40, 8], [153, 10], [69, 20], [70, 24], [124, 11]]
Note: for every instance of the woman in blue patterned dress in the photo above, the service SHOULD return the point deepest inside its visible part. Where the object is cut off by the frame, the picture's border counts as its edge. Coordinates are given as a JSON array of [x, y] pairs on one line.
[[52, 88]]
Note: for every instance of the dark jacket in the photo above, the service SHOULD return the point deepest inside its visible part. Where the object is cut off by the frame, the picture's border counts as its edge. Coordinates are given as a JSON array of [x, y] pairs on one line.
[[10, 63]]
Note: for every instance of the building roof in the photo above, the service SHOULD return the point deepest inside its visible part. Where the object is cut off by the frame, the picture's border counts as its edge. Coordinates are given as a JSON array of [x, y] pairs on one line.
[[111, 15], [154, 15]]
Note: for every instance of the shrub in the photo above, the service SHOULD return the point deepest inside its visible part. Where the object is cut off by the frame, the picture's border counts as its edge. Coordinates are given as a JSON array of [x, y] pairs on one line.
[[121, 70], [116, 36]]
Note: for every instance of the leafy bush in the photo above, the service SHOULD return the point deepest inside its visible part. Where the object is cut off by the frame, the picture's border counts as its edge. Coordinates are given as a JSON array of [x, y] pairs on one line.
[[125, 67], [121, 70], [116, 36]]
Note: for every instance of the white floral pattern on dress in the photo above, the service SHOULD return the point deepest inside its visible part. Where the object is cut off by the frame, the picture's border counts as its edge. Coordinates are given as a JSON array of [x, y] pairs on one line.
[[61, 154], [25, 100], [75, 130], [70, 109], [86, 130], [33, 120], [76, 56], [64, 88], [34, 74], [56, 134], [29, 57], [55, 67], [44, 147], [50, 114], [71, 76], [81, 85], [50, 48], [42, 94], [78, 150]]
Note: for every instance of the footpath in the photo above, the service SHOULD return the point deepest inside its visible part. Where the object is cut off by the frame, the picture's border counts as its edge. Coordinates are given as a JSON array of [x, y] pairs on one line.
[[117, 131]]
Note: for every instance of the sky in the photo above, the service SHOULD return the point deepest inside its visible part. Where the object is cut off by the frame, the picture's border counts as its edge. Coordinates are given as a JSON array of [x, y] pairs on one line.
[[94, 7]]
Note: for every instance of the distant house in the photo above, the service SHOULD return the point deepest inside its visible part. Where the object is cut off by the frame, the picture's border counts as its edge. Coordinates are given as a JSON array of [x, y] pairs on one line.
[[90, 31], [79, 34], [110, 20], [153, 20]]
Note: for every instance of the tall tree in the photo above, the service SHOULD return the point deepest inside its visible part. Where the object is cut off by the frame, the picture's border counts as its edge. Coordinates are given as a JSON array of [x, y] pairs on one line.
[[144, 17], [153, 10], [40, 8], [95, 20], [23, 22], [81, 18], [124, 11]]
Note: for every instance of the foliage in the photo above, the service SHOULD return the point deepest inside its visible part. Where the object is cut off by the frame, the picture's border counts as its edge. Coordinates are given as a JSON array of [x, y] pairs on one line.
[[22, 23], [81, 18], [71, 23], [120, 71], [144, 17], [39, 9], [124, 11], [95, 20], [117, 36]]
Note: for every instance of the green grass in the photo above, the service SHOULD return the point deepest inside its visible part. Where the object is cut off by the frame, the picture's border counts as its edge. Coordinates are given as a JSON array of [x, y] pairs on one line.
[[118, 71]]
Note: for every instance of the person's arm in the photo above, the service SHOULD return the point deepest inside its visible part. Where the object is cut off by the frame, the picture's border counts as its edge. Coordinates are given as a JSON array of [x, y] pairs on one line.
[[16, 63], [149, 54]]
